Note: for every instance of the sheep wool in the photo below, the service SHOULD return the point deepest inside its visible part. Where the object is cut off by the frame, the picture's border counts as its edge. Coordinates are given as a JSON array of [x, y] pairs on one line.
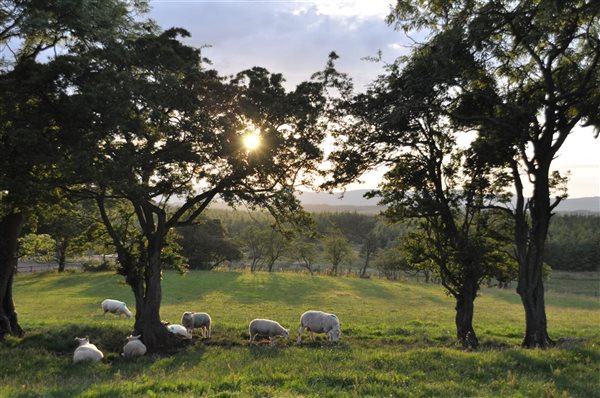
[[320, 322], [267, 327], [179, 331], [197, 320], [134, 347], [86, 351], [115, 307]]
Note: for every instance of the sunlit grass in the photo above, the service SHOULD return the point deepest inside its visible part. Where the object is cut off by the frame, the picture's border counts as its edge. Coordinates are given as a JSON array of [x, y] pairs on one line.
[[398, 340]]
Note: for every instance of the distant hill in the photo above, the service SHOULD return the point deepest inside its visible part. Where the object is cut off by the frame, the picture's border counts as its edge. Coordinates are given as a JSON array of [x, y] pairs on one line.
[[355, 201]]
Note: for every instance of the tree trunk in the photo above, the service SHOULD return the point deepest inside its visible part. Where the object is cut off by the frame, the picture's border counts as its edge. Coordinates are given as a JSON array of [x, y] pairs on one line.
[[62, 254], [530, 249], [464, 320], [148, 323], [10, 228], [363, 270]]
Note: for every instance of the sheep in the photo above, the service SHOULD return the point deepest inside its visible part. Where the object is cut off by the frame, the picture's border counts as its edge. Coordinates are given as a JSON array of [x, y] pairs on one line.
[[178, 330], [86, 351], [267, 327], [134, 347], [200, 320], [319, 322], [115, 307]]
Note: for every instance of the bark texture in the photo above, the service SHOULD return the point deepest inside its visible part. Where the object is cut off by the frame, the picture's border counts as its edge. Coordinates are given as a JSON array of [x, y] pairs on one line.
[[10, 228]]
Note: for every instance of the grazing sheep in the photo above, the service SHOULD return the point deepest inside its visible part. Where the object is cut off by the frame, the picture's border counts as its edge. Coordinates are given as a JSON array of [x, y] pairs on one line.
[[319, 322], [267, 327], [179, 331], [199, 320], [115, 307], [134, 347], [86, 351]]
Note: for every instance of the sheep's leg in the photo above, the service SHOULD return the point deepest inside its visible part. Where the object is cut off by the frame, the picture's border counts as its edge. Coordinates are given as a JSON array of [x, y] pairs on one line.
[[208, 331], [312, 335], [271, 341], [300, 331], [251, 338]]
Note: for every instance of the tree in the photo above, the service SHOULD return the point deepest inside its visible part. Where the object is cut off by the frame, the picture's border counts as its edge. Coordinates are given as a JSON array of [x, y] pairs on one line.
[[157, 125], [72, 227], [254, 240], [450, 194], [304, 249], [337, 249], [390, 261], [541, 60], [37, 246], [31, 85], [206, 244]]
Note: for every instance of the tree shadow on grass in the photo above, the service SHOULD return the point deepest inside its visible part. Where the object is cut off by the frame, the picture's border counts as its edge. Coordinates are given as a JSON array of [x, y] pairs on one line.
[[364, 288]]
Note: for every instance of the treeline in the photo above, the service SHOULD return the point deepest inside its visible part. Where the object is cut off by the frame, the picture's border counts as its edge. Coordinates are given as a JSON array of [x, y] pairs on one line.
[[361, 242], [574, 243]]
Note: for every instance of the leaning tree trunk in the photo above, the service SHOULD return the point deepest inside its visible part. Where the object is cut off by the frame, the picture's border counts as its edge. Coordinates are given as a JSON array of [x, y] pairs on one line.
[[464, 318], [10, 228]]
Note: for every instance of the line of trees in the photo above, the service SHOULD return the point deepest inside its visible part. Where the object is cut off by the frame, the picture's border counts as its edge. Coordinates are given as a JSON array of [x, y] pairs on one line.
[[225, 236]]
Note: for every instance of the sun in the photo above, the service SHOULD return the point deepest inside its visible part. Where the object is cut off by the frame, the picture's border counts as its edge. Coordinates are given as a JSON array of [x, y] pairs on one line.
[[251, 140]]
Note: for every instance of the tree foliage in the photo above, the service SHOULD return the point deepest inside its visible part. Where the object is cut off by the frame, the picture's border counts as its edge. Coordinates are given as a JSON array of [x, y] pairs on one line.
[[537, 79]]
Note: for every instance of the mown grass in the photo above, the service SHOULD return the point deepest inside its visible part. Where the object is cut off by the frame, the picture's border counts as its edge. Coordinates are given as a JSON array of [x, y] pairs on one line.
[[398, 340]]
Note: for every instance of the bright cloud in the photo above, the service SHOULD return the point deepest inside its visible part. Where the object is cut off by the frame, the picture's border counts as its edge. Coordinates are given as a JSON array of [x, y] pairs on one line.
[[345, 8]]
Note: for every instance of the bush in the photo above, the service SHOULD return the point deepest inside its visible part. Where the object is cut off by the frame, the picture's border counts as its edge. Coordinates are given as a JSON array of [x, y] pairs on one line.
[[98, 266]]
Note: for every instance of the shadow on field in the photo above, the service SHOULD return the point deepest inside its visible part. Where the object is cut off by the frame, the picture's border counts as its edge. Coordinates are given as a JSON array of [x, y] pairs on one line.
[[365, 289], [61, 340]]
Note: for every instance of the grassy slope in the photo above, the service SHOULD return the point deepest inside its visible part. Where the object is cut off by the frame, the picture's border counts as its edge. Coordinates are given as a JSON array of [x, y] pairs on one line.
[[398, 340]]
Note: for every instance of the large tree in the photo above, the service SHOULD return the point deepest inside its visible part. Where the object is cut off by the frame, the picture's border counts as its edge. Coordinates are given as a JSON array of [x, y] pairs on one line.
[[156, 128], [542, 59], [30, 87]]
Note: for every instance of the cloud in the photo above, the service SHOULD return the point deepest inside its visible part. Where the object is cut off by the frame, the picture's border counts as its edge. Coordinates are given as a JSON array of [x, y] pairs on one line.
[[293, 38]]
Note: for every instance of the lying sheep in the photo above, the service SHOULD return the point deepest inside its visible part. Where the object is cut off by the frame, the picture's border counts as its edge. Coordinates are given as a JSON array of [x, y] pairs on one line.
[[199, 320], [178, 330], [115, 307], [319, 322], [86, 351], [134, 347], [267, 327]]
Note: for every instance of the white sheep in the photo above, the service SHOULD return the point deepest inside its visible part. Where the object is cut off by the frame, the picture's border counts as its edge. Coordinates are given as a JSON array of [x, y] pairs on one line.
[[200, 320], [86, 351], [134, 347], [179, 330], [267, 327], [319, 322], [115, 307]]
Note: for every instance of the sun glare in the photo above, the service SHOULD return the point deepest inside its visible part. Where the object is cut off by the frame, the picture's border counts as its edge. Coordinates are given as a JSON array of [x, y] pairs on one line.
[[251, 140]]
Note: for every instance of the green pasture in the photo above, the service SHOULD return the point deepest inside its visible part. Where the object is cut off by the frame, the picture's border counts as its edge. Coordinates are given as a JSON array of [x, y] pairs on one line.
[[397, 340]]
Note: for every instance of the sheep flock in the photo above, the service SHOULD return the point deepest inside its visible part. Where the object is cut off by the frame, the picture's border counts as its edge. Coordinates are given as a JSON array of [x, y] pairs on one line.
[[311, 321]]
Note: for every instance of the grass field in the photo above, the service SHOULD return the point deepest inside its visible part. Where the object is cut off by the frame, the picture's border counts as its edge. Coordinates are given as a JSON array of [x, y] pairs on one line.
[[397, 340]]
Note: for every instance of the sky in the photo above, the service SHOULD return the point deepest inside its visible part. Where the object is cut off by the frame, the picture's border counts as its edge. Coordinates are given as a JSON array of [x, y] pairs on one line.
[[295, 37]]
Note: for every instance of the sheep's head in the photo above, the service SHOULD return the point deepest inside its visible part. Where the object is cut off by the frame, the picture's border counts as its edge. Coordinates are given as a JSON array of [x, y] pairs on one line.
[[187, 318], [286, 334], [82, 340], [335, 335]]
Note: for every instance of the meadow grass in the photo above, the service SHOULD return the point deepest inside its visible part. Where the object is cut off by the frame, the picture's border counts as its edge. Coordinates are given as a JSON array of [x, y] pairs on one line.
[[397, 340]]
